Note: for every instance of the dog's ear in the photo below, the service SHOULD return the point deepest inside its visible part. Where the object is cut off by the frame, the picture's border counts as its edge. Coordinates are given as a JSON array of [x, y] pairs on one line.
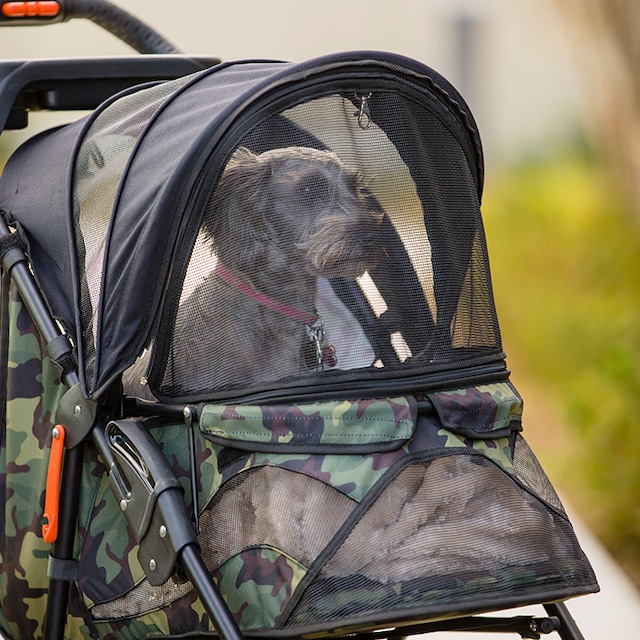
[[235, 216]]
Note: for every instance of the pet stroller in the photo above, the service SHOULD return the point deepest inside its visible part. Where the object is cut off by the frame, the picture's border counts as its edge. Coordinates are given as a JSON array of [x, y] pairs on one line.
[[250, 350]]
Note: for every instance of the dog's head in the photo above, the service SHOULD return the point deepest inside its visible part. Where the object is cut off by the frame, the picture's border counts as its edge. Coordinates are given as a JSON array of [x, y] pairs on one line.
[[294, 206]]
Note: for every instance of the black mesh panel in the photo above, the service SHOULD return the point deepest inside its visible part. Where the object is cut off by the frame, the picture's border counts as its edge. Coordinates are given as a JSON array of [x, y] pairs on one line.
[[273, 507], [333, 244], [100, 165], [453, 534]]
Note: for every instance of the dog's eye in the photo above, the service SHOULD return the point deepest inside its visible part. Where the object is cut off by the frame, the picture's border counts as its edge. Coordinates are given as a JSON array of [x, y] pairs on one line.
[[314, 188]]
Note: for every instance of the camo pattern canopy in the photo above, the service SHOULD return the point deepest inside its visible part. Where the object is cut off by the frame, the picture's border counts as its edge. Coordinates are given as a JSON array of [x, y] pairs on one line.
[[124, 235]]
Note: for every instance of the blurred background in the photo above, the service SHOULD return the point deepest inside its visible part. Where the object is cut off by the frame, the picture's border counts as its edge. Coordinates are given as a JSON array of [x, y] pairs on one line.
[[555, 88]]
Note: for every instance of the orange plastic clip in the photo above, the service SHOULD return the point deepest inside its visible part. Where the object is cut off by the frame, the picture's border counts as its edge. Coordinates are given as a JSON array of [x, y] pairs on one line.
[[52, 498]]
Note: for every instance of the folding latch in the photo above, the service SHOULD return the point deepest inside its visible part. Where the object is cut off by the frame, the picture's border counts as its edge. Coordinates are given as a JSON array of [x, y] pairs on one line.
[[75, 417], [150, 497]]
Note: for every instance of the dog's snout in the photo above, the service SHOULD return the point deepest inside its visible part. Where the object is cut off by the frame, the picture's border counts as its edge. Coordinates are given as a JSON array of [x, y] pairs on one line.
[[345, 243]]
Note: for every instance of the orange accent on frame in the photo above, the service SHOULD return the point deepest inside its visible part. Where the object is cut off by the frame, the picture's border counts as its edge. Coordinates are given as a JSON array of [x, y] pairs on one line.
[[43, 9], [52, 498]]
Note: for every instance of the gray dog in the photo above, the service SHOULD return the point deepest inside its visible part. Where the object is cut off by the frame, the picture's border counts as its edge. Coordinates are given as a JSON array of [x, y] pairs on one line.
[[276, 221]]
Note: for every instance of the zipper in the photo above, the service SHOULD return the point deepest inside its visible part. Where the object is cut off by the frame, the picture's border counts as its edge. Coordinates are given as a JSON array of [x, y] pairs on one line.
[[359, 389]]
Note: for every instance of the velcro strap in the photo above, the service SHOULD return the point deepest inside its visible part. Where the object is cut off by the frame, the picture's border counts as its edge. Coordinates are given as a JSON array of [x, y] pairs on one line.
[[63, 570], [11, 250]]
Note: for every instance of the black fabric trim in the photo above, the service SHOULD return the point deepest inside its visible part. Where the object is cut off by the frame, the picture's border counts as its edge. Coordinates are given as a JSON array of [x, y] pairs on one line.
[[12, 250], [425, 615]]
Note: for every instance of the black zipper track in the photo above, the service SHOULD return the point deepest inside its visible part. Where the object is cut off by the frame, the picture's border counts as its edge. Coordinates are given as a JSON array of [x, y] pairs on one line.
[[419, 384]]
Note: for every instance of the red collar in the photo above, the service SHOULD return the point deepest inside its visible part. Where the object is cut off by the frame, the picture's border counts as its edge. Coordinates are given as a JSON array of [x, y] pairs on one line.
[[262, 298], [322, 353]]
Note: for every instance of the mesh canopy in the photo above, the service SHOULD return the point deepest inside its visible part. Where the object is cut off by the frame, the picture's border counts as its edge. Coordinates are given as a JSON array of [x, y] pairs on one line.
[[266, 225], [343, 235], [100, 164]]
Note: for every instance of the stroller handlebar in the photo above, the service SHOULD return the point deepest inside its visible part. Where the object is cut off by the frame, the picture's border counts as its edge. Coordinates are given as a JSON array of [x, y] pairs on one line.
[[110, 17]]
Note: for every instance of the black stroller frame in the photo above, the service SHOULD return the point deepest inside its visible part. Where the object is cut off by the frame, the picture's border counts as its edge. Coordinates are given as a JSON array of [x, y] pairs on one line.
[[140, 476]]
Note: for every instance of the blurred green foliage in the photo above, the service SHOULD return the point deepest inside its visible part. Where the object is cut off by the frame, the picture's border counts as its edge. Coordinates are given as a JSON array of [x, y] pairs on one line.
[[565, 259]]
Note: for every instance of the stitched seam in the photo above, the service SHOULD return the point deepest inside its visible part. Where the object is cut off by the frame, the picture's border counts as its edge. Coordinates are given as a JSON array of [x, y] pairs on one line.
[[289, 417], [227, 434]]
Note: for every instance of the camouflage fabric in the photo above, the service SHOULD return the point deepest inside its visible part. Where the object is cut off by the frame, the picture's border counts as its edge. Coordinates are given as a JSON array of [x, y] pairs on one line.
[[485, 411], [32, 396], [484, 418], [295, 502], [367, 422], [268, 579]]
